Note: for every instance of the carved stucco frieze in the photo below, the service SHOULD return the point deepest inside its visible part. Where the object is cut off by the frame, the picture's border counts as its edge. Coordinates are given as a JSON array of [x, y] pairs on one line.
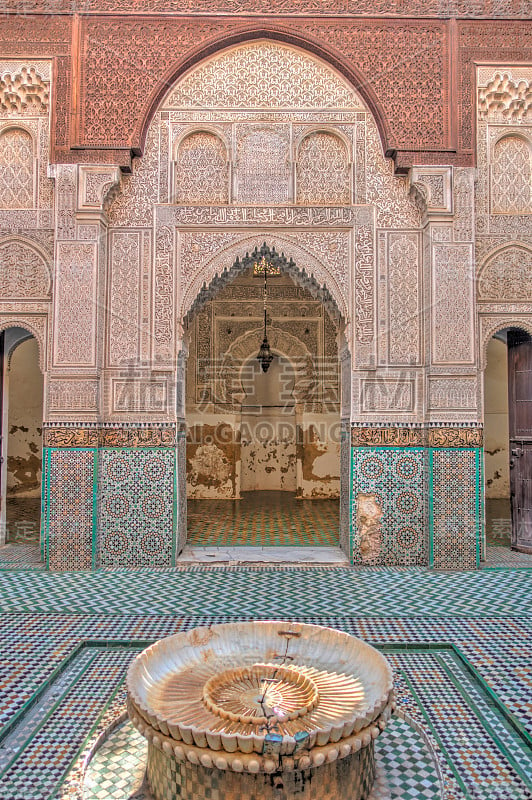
[[506, 98], [452, 393], [72, 395]]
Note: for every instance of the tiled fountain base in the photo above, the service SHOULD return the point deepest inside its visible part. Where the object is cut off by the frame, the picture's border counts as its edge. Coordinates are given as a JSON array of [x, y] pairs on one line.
[[405, 766]]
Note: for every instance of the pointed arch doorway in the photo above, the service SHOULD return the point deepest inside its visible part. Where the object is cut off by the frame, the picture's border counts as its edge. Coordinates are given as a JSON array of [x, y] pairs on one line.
[[21, 403], [508, 445], [263, 449]]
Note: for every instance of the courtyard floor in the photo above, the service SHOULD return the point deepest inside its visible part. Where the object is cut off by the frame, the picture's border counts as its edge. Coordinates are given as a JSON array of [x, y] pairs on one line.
[[460, 644]]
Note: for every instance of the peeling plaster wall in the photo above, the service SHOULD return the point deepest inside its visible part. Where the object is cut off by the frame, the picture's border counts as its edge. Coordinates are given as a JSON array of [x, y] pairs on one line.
[[496, 421], [213, 457], [269, 452], [25, 414], [318, 459]]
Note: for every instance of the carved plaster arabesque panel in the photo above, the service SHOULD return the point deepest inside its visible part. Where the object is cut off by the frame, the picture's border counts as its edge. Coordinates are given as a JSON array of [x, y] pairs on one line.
[[75, 305], [24, 272], [322, 170], [262, 172], [124, 312], [17, 168], [259, 75], [511, 175], [507, 275], [392, 395], [202, 169], [404, 298], [453, 332]]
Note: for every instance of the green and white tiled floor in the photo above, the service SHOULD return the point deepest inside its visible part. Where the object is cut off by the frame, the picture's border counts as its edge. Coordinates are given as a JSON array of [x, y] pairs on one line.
[[406, 768], [460, 645]]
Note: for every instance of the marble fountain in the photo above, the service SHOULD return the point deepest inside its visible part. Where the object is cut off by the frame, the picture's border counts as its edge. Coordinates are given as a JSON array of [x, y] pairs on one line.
[[269, 710]]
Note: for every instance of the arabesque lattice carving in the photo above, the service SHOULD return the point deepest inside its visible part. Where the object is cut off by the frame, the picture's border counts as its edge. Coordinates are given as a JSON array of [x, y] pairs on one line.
[[322, 170], [24, 273], [24, 91], [16, 169], [263, 75], [507, 276], [202, 170], [506, 98], [511, 176], [263, 164]]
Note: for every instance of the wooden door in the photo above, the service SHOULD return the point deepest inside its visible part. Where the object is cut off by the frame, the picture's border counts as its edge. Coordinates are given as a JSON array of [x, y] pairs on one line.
[[520, 422]]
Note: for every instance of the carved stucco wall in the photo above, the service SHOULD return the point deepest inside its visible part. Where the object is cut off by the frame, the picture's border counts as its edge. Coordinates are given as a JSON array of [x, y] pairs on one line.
[[335, 213], [26, 199], [398, 254]]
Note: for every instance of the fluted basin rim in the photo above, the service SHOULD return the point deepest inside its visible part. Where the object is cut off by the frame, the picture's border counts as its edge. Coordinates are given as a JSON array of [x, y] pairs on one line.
[[165, 683]]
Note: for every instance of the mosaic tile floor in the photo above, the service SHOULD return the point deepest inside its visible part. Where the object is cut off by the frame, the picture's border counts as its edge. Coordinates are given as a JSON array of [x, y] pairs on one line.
[[263, 519], [459, 644]]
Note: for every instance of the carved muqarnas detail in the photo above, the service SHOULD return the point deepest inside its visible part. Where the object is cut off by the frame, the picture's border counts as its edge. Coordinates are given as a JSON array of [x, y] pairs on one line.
[[505, 98], [16, 169], [24, 91], [202, 170], [511, 176], [507, 276], [23, 273], [323, 170]]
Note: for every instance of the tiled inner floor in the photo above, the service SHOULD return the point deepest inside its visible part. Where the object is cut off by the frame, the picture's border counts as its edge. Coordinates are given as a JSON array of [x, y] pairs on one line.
[[459, 644], [405, 766], [263, 519]]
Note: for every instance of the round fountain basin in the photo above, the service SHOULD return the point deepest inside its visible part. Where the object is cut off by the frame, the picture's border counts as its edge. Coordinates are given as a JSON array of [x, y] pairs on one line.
[[269, 709]]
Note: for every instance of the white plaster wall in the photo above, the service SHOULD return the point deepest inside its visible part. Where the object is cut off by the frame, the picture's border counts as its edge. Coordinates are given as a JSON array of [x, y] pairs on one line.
[[25, 413], [269, 451], [496, 421]]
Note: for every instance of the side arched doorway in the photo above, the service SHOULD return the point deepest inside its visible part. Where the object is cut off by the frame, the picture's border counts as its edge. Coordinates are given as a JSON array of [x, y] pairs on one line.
[[21, 443], [263, 448], [508, 440]]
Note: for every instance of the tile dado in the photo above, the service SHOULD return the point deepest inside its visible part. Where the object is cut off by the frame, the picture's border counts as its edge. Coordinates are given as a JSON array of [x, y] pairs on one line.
[[420, 436], [109, 496], [417, 505]]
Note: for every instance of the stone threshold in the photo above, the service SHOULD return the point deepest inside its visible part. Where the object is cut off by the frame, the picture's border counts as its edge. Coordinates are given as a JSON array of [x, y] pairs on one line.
[[263, 555]]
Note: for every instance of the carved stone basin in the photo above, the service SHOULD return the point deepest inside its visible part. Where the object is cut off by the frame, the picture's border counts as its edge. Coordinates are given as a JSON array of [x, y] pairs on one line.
[[260, 709]]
